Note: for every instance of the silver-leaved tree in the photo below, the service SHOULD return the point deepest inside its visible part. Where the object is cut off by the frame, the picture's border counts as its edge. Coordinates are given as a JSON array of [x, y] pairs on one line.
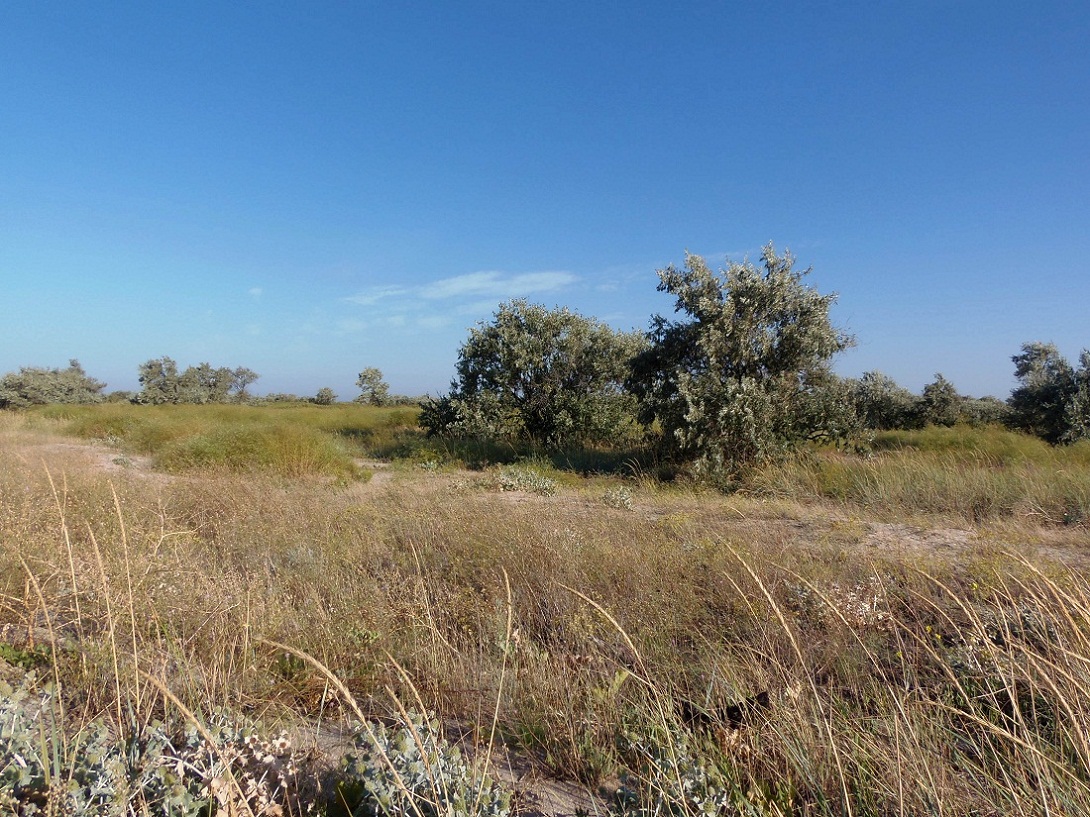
[[550, 376], [746, 374]]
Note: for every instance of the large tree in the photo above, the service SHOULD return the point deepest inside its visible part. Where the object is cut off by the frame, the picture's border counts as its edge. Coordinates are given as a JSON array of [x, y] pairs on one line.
[[736, 382], [550, 376]]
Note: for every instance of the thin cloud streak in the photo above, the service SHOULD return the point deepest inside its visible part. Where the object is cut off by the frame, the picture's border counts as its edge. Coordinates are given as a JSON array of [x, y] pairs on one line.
[[477, 286]]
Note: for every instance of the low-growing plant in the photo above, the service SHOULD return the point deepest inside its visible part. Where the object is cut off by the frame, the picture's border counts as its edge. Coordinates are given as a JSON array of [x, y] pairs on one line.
[[411, 770], [619, 498], [226, 766], [525, 478]]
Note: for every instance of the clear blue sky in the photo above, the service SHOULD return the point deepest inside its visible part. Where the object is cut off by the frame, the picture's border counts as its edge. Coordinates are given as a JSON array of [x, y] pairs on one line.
[[311, 188]]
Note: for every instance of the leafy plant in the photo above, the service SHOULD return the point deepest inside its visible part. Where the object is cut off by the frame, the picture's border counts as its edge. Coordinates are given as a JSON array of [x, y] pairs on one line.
[[1053, 397], [32, 386], [411, 770], [619, 498], [525, 478], [729, 387], [373, 389], [548, 376]]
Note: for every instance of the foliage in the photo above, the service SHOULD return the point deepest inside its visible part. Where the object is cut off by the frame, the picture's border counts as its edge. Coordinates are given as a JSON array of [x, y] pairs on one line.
[[882, 405], [32, 386], [325, 397], [525, 478], [729, 386], [162, 383], [675, 781], [373, 389], [1052, 400], [549, 376], [619, 498], [940, 403], [983, 411], [412, 771], [151, 769]]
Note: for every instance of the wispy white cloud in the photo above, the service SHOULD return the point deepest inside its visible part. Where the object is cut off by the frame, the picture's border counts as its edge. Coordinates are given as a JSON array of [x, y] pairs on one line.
[[373, 295], [255, 292], [496, 284], [431, 305]]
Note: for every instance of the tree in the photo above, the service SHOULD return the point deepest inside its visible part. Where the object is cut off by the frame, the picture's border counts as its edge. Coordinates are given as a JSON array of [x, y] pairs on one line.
[[325, 397], [550, 376], [161, 383], [1052, 400], [730, 386], [158, 381], [1077, 411], [373, 389], [940, 403], [33, 386], [242, 379], [882, 404], [205, 384]]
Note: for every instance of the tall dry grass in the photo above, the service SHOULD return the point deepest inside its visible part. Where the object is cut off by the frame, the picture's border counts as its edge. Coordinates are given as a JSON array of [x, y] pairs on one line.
[[705, 651]]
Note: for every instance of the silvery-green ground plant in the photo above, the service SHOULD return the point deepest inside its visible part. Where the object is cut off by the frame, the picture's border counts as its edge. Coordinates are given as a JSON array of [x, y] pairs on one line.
[[411, 770], [47, 767]]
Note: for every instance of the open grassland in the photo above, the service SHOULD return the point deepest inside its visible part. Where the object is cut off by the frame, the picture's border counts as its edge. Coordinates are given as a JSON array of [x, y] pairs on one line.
[[906, 632]]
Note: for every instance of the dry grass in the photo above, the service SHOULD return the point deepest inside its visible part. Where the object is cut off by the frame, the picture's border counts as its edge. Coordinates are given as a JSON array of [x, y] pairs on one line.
[[755, 653]]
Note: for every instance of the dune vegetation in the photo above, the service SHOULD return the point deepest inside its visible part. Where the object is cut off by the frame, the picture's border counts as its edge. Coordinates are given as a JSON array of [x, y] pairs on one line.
[[317, 609]]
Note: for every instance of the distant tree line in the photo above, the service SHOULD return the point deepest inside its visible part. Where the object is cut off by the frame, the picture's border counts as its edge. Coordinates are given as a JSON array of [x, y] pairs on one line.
[[743, 377], [161, 382]]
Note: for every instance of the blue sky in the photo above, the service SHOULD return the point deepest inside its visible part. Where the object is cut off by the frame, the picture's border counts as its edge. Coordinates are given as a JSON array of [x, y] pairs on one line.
[[308, 189]]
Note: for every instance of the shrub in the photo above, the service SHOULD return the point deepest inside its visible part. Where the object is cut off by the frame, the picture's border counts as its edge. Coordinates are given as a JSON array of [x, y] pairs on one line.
[[729, 387], [1053, 398], [32, 386], [548, 376]]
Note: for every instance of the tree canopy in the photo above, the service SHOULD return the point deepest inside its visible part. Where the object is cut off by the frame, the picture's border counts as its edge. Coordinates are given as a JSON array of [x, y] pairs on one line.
[[731, 384], [34, 386], [161, 383], [547, 375], [1052, 399]]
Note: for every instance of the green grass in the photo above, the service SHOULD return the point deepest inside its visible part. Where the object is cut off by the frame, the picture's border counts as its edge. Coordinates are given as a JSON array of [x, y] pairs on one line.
[[970, 475], [290, 440]]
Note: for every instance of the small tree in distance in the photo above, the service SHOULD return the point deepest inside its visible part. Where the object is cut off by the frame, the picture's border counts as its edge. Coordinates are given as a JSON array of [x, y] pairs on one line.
[[373, 389], [32, 386], [242, 378], [940, 403], [325, 397]]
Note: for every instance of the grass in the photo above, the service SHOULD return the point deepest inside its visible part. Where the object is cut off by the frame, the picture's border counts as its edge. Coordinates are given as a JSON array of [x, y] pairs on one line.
[[291, 440], [965, 474], [754, 654]]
